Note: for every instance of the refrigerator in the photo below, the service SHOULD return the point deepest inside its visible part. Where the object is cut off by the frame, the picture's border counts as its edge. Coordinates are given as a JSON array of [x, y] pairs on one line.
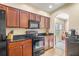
[[2, 33]]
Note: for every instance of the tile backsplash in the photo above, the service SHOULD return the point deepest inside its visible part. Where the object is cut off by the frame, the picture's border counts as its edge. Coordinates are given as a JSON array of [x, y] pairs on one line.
[[21, 31], [17, 31]]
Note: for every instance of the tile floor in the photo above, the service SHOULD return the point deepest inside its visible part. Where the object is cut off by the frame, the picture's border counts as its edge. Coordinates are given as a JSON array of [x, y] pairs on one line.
[[54, 52]]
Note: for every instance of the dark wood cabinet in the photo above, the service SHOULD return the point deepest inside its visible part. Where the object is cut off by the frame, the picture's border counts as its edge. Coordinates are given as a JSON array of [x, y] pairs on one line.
[[15, 49], [24, 17], [27, 48], [32, 16], [22, 48], [19, 18], [12, 17]]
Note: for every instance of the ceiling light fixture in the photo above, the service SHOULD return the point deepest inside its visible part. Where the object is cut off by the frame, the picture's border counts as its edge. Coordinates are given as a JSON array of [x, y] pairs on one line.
[[50, 6]]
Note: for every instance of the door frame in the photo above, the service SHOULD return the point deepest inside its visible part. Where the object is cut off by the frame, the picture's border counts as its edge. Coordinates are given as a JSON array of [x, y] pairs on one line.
[[65, 49]]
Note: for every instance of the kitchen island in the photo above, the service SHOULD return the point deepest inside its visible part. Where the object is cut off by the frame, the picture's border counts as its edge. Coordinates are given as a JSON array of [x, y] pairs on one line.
[[72, 46]]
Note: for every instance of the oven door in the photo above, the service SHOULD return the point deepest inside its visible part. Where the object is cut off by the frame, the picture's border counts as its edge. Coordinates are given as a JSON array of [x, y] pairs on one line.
[[38, 45]]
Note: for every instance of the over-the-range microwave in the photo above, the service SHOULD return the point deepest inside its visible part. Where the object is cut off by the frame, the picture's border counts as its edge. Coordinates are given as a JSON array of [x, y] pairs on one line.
[[34, 24]]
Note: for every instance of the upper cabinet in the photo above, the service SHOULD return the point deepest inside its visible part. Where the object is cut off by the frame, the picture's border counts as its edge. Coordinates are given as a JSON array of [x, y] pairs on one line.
[[42, 22], [47, 22], [19, 18], [32, 16], [24, 16], [38, 18], [12, 17], [2, 7]]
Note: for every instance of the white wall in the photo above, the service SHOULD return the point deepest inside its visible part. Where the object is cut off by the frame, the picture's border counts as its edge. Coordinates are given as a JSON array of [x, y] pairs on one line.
[[73, 11]]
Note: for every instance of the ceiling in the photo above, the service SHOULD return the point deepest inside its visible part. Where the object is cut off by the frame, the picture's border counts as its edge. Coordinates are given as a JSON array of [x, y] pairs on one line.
[[45, 6]]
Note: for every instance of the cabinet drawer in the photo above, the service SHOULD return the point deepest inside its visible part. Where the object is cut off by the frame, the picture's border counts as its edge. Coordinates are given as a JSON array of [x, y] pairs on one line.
[[11, 45]]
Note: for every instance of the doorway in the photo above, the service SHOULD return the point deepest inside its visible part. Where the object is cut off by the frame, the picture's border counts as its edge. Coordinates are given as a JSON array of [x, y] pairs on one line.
[[59, 29], [61, 24]]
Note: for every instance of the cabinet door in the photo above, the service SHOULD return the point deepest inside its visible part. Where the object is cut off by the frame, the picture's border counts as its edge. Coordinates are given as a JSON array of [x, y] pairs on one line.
[[46, 42], [12, 17], [15, 51], [51, 42], [42, 22], [32, 16], [2, 7], [24, 19], [27, 48], [38, 17], [47, 23]]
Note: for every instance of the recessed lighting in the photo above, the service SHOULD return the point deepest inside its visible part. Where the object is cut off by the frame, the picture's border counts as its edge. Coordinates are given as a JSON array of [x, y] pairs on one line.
[[50, 6]]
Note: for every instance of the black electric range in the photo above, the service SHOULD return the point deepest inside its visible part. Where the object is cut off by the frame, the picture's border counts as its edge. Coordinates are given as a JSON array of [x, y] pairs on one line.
[[37, 43]]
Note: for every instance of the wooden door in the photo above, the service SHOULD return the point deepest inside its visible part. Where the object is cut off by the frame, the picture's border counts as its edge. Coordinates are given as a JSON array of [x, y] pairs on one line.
[[51, 41], [42, 22], [24, 19], [38, 18], [12, 17], [47, 23], [27, 48], [46, 42], [32, 16], [15, 51]]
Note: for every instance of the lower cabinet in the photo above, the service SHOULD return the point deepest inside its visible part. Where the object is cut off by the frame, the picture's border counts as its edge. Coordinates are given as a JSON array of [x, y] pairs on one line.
[[15, 51], [22, 48], [49, 42], [46, 43], [27, 48]]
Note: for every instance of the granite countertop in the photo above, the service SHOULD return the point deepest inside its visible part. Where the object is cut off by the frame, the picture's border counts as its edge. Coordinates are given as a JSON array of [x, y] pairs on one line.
[[44, 34], [26, 36], [76, 41], [73, 39], [19, 38]]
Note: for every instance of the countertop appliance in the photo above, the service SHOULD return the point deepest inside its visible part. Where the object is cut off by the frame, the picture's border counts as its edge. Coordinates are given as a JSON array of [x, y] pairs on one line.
[[33, 24], [37, 42], [2, 33], [73, 31]]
